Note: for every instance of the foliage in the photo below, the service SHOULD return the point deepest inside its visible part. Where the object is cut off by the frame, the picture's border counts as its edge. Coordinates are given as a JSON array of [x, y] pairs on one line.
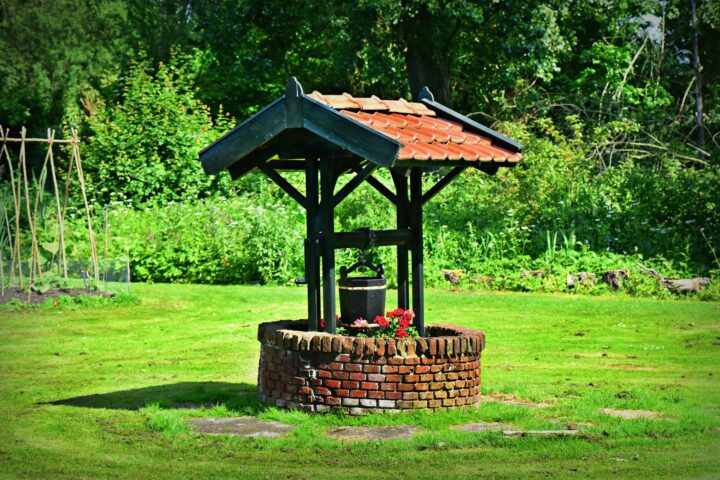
[[396, 323], [144, 148]]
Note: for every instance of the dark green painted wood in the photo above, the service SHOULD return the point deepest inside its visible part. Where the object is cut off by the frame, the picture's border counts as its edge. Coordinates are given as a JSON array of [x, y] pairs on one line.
[[294, 104], [282, 183], [245, 138], [312, 259], [355, 182], [327, 187], [382, 189], [383, 238], [416, 225], [442, 183], [353, 136], [489, 169], [249, 163], [403, 215]]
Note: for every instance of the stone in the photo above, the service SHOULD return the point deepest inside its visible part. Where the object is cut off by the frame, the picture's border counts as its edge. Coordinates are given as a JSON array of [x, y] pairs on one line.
[[482, 427], [239, 426], [372, 433], [629, 414]]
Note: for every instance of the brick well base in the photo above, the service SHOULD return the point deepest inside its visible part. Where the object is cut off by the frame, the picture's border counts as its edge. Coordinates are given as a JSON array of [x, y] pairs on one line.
[[318, 372]]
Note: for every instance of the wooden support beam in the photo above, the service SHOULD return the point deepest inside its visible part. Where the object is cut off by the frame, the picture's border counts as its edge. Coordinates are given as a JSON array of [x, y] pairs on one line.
[[282, 183], [402, 203], [312, 259], [327, 187], [416, 225], [355, 182], [383, 238], [384, 191], [442, 183]]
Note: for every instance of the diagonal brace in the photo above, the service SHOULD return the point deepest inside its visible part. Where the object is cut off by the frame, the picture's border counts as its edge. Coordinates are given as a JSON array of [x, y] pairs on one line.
[[282, 183], [348, 188], [442, 183]]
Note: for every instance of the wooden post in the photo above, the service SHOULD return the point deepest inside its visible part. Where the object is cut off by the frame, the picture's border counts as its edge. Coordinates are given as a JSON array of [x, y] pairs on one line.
[[327, 181], [403, 212], [418, 299], [312, 262]]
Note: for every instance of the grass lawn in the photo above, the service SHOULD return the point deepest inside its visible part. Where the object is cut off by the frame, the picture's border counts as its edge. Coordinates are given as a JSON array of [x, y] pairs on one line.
[[93, 392]]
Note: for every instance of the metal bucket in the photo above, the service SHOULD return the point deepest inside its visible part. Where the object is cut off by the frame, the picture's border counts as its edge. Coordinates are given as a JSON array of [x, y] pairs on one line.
[[361, 297]]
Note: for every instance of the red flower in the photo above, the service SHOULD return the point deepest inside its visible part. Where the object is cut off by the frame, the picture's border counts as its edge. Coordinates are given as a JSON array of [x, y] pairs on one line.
[[400, 332], [382, 321], [322, 324], [404, 322], [395, 313]]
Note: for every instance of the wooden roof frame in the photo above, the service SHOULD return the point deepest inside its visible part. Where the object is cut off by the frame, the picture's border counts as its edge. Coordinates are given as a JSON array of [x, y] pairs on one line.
[[296, 132]]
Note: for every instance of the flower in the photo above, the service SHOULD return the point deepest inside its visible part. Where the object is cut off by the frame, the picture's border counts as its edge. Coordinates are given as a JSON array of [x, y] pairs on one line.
[[395, 313], [404, 322], [382, 321], [360, 322], [322, 324], [400, 332]]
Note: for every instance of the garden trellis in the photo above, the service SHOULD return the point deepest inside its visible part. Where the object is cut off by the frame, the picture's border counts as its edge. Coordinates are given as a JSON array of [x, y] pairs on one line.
[[26, 190], [327, 136]]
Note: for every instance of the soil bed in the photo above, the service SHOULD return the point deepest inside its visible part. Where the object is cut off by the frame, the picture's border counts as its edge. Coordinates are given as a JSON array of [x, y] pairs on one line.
[[21, 294]]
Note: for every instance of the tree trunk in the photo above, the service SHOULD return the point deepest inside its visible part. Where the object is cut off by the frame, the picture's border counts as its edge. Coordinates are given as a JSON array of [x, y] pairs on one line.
[[698, 84]]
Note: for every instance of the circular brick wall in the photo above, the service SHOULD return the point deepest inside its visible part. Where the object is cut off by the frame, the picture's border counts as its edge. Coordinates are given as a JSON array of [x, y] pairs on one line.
[[317, 372]]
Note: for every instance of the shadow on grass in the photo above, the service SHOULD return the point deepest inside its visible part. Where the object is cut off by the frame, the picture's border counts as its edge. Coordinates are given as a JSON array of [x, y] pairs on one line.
[[184, 395]]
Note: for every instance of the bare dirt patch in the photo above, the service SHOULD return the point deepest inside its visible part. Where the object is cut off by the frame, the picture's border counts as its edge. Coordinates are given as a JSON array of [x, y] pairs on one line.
[[372, 433], [21, 295], [239, 426], [510, 399], [483, 427], [629, 414]]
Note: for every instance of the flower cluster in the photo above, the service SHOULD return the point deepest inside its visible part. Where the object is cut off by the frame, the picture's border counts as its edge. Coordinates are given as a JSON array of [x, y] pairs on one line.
[[395, 324]]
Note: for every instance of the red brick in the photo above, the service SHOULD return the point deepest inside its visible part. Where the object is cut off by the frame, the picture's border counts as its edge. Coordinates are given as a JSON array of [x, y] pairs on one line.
[[358, 376], [342, 392], [358, 394], [410, 396], [407, 387], [379, 347], [337, 343], [353, 367], [369, 385], [422, 369], [343, 358], [298, 380], [376, 377], [404, 404], [304, 390], [411, 378], [347, 344], [322, 391], [376, 394], [432, 346], [371, 368], [335, 366], [427, 360], [396, 361], [350, 384], [434, 403], [324, 374], [421, 387], [412, 361], [452, 376], [390, 348], [358, 346], [428, 377], [436, 385], [389, 369], [449, 385], [332, 401], [449, 402], [388, 387], [404, 369], [332, 383], [340, 375], [425, 396], [420, 404], [393, 395], [441, 394]]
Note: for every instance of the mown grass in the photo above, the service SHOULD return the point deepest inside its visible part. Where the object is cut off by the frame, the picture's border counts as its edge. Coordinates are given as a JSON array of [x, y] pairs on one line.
[[93, 391]]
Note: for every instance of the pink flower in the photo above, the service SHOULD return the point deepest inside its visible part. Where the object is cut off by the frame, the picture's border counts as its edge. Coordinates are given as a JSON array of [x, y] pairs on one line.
[[382, 321], [360, 322], [400, 332]]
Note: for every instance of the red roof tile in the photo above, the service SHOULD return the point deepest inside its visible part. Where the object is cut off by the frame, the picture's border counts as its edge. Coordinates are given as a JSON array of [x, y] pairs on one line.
[[423, 135]]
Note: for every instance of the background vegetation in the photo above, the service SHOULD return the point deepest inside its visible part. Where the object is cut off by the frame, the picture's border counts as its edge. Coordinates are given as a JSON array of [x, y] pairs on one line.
[[621, 159]]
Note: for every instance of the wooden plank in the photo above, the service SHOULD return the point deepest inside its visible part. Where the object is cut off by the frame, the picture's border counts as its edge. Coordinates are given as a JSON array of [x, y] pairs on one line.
[[327, 187], [382, 189], [245, 138], [403, 211], [293, 104], [282, 183], [442, 183], [418, 290], [349, 187], [312, 261], [353, 136], [249, 163]]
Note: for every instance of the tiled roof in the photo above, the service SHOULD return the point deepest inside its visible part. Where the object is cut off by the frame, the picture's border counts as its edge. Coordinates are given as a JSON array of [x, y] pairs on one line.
[[423, 135]]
